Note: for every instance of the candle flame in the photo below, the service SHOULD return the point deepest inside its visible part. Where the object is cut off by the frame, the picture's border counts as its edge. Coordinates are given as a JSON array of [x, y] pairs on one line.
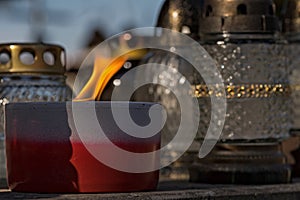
[[103, 71], [106, 68]]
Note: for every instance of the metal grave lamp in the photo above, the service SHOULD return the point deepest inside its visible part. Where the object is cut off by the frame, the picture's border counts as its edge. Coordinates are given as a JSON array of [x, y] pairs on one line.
[[243, 37]]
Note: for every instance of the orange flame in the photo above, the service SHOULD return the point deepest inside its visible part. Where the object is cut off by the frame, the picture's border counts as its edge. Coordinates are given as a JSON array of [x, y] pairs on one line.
[[103, 71]]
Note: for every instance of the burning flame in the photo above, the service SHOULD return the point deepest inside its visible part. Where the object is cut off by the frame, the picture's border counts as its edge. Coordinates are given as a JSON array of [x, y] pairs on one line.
[[103, 71]]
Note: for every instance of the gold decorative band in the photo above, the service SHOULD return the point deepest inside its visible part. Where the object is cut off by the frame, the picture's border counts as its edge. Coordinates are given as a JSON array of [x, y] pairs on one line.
[[244, 91]]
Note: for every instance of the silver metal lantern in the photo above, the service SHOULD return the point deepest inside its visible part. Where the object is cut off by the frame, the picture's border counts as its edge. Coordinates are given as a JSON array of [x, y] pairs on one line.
[[243, 37]]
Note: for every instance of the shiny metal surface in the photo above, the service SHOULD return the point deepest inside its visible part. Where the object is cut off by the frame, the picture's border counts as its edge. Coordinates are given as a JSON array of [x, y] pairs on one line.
[[48, 58], [243, 16], [181, 16], [291, 21]]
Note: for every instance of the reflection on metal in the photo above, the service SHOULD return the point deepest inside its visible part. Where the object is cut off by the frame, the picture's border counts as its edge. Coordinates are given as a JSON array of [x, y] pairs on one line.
[[291, 21], [240, 16], [181, 16], [32, 58]]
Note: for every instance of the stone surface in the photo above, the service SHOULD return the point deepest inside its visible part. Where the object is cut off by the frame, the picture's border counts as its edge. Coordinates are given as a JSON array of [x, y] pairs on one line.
[[182, 190]]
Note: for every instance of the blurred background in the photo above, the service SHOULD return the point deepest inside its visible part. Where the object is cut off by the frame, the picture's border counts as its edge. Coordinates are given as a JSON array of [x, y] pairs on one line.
[[75, 24]]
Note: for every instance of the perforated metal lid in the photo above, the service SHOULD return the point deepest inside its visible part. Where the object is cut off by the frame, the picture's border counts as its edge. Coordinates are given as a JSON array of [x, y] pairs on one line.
[[238, 16], [32, 58]]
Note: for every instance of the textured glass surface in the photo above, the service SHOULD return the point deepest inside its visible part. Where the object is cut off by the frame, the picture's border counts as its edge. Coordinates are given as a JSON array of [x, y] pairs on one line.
[[32, 89], [163, 95], [293, 52], [158, 93], [258, 92], [251, 118], [257, 88], [20, 88], [250, 63]]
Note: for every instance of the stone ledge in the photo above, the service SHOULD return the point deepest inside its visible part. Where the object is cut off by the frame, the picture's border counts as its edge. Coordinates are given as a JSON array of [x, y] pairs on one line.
[[181, 190]]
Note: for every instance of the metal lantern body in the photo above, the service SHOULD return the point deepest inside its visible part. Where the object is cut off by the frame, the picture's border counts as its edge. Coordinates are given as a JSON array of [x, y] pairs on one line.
[[242, 37], [30, 73]]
